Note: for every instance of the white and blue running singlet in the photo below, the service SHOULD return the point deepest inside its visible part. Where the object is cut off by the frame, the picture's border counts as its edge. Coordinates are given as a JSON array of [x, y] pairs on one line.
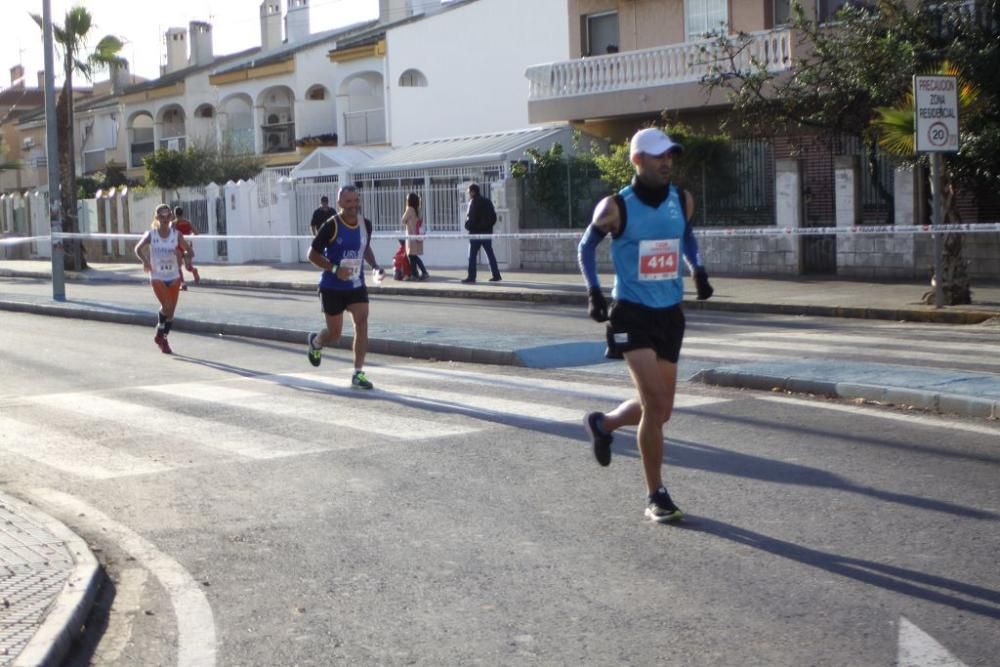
[[647, 254], [163, 256]]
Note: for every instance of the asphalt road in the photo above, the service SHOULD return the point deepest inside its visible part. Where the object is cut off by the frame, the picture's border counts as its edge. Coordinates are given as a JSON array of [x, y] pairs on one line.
[[253, 510], [542, 330]]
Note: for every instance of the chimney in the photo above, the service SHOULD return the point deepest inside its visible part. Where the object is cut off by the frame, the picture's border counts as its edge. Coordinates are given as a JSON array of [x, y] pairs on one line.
[[297, 21], [200, 34], [17, 76], [120, 78], [41, 79], [176, 39], [270, 24], [396, 10]]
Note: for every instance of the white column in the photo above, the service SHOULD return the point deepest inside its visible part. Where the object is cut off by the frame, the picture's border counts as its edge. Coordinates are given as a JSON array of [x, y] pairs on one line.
[[258, 134], [906, 211], [284, 221], [904, 194], [208, 249], [788, 204], [120, 215], [847, 190]]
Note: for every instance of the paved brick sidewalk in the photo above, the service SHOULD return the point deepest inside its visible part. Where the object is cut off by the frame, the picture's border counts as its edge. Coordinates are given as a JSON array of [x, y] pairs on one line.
[[39, 560]]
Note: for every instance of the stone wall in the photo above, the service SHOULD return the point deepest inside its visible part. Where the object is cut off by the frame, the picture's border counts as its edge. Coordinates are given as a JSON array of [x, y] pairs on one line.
[[558, 255], [878, 256], [911, 256], [981, 251], [750, 255], [755, 255]]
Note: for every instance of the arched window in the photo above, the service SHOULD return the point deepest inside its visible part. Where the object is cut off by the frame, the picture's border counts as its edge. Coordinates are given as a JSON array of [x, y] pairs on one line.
[[316, 93], [412, 78]]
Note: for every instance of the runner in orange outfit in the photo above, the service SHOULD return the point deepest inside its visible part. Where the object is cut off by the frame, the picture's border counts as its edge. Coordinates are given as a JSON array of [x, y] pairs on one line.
[[184, 226], [161, 250]]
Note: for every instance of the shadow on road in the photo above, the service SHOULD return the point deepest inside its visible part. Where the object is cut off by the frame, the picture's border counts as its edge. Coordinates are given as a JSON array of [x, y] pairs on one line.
[[939, 590]]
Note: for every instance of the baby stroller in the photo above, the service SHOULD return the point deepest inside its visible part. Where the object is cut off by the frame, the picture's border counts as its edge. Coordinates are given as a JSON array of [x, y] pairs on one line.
[[401, 263]]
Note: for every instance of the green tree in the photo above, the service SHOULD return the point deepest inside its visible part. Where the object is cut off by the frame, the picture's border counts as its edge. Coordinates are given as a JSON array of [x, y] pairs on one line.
[[845, 73], [198, 165], [72, 38], [6, 164], [707, 159]]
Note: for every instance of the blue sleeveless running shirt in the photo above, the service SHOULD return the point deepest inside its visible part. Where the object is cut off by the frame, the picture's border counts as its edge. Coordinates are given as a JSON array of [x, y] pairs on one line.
[[647, 254], [347, 249]]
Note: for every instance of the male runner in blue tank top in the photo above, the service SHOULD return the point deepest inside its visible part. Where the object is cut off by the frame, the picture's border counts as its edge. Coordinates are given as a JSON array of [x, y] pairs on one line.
[[650, 229], [339, 248]]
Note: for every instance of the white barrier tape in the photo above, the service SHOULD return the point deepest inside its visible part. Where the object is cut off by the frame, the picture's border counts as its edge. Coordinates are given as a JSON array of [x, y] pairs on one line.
[[733, 232], [24, 239]]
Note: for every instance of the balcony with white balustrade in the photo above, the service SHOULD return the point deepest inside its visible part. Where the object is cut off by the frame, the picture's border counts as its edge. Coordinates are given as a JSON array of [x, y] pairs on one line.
[[645, 81]]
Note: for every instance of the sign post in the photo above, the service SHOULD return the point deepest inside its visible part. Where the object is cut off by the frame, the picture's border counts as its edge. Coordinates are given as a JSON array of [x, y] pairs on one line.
[[935, 109]]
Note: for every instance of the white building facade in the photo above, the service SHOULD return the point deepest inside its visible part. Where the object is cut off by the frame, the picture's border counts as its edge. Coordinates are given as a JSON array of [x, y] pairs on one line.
[[461, 71]]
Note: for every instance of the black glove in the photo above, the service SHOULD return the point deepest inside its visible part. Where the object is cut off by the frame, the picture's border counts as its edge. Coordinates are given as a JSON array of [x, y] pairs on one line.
[[705, 290], [597, 306]]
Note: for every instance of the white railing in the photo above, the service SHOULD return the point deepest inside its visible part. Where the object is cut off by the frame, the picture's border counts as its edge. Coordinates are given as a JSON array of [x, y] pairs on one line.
[[660, 66], [364, 127]]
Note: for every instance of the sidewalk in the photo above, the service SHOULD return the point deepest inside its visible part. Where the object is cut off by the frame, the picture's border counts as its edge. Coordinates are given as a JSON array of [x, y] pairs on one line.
[[47, 575], [820, 296], [48, 581]]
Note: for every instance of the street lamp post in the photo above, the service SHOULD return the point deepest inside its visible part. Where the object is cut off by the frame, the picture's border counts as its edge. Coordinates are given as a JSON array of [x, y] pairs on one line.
[[52, 155]]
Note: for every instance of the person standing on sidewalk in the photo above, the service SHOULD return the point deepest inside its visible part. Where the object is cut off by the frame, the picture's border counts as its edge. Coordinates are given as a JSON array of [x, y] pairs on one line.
[[321, 215], [650, 226], [413, 226], [161, 251], [340, 247], [184, 226], [480, 218]]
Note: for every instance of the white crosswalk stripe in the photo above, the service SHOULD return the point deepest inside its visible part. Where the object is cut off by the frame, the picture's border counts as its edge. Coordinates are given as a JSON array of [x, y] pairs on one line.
[[160, 428], [968, 349], [71, 454]]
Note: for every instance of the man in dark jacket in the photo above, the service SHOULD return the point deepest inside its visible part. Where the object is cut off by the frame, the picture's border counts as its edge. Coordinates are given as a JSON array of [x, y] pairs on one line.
[[321, 215], [480, 219]]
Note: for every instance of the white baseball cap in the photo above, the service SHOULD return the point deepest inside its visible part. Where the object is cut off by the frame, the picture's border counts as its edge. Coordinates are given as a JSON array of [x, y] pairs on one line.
[[652, 141]]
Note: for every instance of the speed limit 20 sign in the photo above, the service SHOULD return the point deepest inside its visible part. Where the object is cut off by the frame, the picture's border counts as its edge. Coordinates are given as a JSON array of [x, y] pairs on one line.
[[935, 100]]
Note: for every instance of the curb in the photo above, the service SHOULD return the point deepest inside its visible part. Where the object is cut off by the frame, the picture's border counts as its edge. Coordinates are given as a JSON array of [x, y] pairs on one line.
[[571, 297], [67, 615], [389, 346], [966, 406]]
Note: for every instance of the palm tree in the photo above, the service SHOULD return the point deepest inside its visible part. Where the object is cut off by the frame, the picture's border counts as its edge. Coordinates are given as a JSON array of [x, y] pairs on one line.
[[894, 127], [72, 38]]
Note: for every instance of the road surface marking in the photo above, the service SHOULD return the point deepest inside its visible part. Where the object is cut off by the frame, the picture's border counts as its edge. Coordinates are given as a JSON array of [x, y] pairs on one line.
[[919, 649], [360, 418], [140, 417], [923, 420], [71, 454], [196, 646]]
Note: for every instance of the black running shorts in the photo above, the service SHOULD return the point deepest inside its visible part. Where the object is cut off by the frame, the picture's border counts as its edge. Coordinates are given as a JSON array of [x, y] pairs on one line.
[[336, 301], [633, 327]]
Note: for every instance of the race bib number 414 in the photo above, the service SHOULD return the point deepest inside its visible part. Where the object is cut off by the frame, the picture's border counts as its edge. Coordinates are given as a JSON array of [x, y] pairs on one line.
[[659, 260]]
